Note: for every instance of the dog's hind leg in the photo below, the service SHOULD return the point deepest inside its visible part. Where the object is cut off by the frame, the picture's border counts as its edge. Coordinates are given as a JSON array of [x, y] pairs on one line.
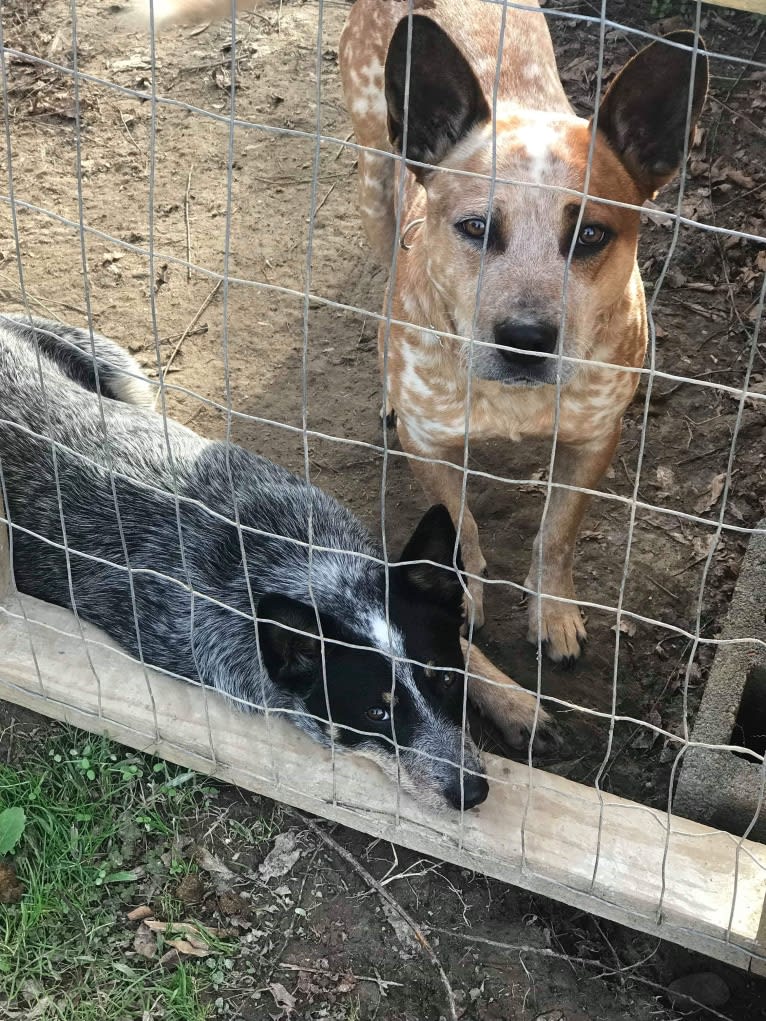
[[84, 357], [376, 203]]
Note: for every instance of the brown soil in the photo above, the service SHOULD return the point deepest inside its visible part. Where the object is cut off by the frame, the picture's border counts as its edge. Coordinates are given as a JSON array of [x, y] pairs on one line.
[[246, 351]]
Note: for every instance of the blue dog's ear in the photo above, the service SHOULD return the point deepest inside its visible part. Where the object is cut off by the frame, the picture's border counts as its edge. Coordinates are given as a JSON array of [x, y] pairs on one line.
[[645, 110], [289, 642], [445, 98], [434, 540]]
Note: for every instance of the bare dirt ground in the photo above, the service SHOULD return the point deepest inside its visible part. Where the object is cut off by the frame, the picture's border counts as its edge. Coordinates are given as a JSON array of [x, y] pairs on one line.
[[244, 351]]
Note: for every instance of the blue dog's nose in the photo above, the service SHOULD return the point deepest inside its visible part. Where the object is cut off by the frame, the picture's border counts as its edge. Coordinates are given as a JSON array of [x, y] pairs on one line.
[[534, 341], [475, 790]]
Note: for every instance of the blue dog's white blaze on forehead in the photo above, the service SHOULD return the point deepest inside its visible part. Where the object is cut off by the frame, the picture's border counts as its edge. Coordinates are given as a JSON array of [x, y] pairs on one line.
[[386, 636]]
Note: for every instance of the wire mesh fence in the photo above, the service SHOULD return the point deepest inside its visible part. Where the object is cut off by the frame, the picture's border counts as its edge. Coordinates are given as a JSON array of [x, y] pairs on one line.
[[197, 189]]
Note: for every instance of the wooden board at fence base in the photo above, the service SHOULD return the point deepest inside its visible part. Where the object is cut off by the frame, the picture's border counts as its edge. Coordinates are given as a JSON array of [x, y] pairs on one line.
[[602, 854], [754, 6]]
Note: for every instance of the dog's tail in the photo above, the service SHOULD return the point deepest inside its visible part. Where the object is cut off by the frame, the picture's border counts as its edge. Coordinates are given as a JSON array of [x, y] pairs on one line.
[[90, 360], [174, 12]]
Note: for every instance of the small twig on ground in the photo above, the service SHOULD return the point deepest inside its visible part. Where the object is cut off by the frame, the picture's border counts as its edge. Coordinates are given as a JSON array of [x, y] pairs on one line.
[[390, 901], [383, 984], [197, 315], [342, 148], [187, 223], [129, 133], [673, 595], [329, 192], [196, 332]]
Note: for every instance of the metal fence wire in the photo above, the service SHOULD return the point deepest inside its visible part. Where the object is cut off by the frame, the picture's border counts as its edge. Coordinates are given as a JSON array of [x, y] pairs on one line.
[[122, 199]]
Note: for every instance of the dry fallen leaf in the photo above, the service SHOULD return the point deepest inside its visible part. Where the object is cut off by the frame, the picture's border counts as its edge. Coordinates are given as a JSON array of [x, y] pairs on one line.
[[189, 929], [184, 946], [210, 863], [282, 857], [140, 913], [171, 959], [712, 494], [281, 996], [144, 942], [666, 480], [743, 180], [627, 627], [11, 890], [647, 737]]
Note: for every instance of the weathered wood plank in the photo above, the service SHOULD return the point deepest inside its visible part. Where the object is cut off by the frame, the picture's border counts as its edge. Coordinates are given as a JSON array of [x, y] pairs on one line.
[[753, 6], [602, 854]]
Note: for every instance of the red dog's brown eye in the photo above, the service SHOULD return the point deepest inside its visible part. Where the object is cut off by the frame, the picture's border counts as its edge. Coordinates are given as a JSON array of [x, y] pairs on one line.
[[591, 236], [474, 227]]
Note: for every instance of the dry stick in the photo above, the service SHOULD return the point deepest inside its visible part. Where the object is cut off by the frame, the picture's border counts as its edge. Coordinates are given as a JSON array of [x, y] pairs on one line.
[[187, 224], [197, 316], [342, 148], [389, 900], [329, 193], [130, 135], [382, 983]]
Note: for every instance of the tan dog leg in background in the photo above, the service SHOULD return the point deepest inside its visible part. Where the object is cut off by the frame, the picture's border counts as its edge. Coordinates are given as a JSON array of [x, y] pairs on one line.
[[509, 706]]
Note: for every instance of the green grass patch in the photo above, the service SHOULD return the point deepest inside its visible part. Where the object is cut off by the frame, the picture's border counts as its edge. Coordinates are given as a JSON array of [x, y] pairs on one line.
[[95, 820]]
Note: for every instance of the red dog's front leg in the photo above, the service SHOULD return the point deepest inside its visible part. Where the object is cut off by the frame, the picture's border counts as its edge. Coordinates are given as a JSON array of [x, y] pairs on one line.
[[558, 625]]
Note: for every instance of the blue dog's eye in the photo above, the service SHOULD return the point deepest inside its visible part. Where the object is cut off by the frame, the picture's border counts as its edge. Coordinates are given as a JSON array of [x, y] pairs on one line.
[[474, 227], [592, 236], [378, 714], [447, 678]]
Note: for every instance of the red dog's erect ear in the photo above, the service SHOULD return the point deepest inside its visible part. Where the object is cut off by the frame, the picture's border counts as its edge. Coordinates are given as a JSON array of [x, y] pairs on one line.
[[445, 98], [645, 112]]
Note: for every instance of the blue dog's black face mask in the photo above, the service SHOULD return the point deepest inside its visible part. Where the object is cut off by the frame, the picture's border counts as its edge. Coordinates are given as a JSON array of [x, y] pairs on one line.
[[373, 678], [388, 685]]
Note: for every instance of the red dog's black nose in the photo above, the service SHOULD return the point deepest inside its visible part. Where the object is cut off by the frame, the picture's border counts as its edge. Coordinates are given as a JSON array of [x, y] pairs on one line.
[[533, 340]]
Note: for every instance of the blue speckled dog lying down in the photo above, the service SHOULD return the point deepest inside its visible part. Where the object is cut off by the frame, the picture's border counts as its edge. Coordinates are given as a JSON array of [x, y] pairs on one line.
[[141, 491]]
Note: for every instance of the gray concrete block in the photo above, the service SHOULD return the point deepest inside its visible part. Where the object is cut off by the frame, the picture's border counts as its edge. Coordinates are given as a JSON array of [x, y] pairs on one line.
[[720, 787]]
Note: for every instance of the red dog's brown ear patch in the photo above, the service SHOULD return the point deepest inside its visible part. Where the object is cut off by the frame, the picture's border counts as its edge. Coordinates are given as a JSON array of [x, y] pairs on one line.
[[445, 98], [645, 110]]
